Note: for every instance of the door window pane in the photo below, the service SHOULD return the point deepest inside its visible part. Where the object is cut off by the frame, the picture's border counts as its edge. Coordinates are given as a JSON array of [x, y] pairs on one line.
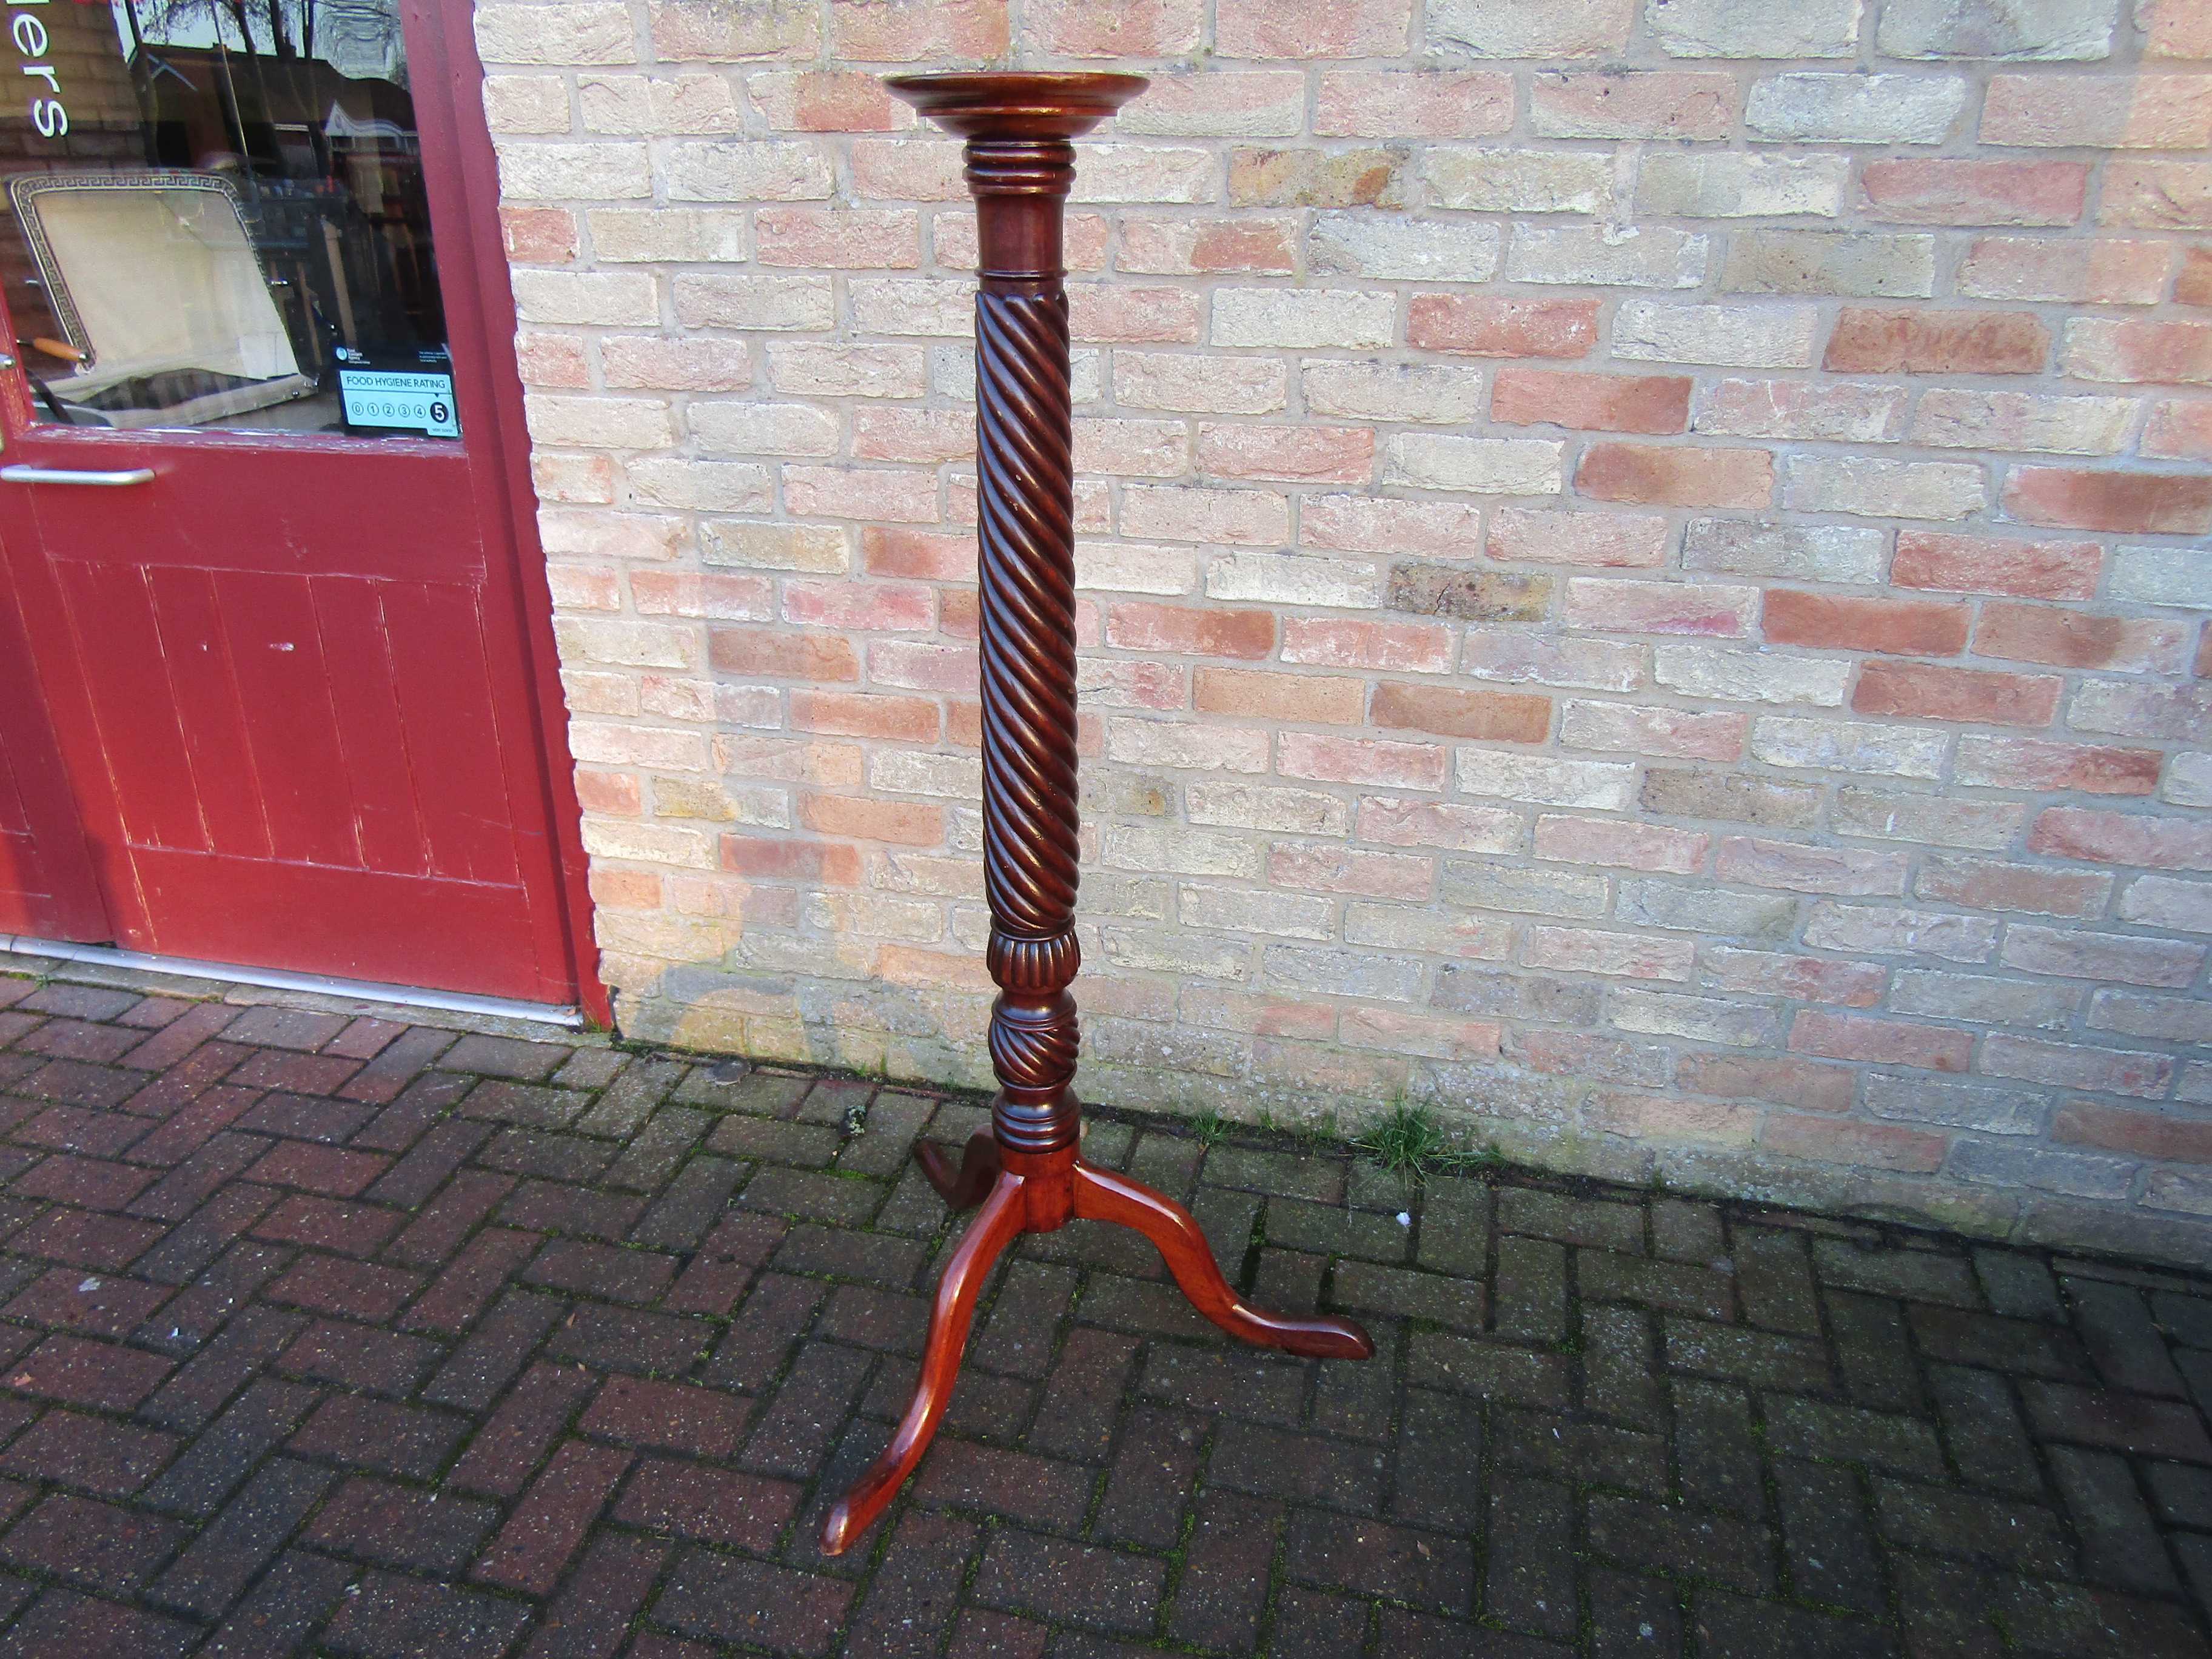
[[216, 218]]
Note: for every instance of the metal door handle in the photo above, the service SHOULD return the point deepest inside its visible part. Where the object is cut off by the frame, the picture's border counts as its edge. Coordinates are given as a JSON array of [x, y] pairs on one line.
[[63, 475]]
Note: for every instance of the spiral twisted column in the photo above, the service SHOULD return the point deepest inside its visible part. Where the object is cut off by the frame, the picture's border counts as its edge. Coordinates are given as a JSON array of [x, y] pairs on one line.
[[1026, 572]]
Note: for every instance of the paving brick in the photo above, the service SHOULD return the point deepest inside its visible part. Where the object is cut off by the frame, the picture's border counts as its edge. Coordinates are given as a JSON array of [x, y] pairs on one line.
[[549, 1524], [227, 1554], [719, 1506], [390, 1613], [729, 1600]]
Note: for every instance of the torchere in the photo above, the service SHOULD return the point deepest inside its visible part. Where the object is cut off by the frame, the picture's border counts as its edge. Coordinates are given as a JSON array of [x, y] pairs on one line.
[[1028, 1173]]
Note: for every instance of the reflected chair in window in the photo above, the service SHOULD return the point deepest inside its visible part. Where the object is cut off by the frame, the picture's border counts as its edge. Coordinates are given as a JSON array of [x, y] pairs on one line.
[[165, 310]]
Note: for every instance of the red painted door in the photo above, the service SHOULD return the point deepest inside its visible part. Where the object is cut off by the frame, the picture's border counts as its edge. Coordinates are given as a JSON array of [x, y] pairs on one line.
[[254, 501]]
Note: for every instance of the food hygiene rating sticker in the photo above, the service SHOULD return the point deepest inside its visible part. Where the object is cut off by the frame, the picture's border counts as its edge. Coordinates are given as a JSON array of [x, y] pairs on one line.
[[404, 402]]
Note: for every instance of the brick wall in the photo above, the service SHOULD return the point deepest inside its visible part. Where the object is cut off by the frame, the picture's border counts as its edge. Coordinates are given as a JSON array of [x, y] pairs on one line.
[[1643, 563]]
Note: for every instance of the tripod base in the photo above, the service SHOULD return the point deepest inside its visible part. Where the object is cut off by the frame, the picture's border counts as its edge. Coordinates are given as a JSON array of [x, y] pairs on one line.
[[1036, 1193]]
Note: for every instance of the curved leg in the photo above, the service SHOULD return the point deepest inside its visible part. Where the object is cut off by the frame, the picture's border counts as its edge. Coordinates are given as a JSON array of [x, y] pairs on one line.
[[997, 1225], [964, 1187], [1102, 1195]]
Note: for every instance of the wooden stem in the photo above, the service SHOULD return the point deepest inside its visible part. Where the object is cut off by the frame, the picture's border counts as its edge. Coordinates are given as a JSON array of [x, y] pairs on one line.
[[1021, 162]]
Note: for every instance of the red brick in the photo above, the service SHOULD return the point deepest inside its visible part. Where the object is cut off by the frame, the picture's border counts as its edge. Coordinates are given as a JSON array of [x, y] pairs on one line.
[[1907, 628], [1338, 642], [1669, 475], [1554, 535], [1597, 403], [2156, 503], [2076, 832], [2077, 1065], [792, 860], [1987, 884], [1983, 564], [2158, 353], [1840, 1140], [2075, 639], [1936, 191], [858, 819], [1785, 1082], [1803, 869], [1712, 610], [1306, 698], [2029, 763], [1186, 630], [865, 714], [1880, 1042], [2155, 1134], [2179, 430], [1977, 696], [1485, 716], [1486, 327], [2193, 287], [1294, 454], [783, 653], [539, 236], [1610, 840], [1361, 760], [1870, 340]]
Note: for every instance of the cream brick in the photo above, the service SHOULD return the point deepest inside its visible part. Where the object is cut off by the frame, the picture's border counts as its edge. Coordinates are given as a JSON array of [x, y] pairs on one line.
[[906, 772], [1366, 244], [1755, 29], [1303, 318], [1112, 173], [743, 170], [754, 302], [1235, 910], [649, 843], [1295, 579], [539, 170], [757, 428], [1652, 256], [598, 422], [609, 299], [703, 486], [816, 550], [1738, 676], [671, 235], [1431, 392], [1175, 743], [583, 31], [1182, 852], [822, 369], [1693, 184], [1601, 786], [1740, 336], [1813, 553], [651, 105], [525, 104], [1134, 568], [1878, 488], [1519, 180], [1846, 746], [1951, 417], [2163, 575], [1532, 29], [1257, 806], [1200, 382], [1856, 109], [914, 305], [1482, 466]]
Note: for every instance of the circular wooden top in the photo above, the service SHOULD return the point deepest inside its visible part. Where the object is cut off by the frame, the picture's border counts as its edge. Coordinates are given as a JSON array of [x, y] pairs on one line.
[[1017, 103]]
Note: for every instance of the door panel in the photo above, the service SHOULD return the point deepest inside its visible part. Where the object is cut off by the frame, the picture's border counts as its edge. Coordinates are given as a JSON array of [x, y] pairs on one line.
[[46, 885], [288, 666]]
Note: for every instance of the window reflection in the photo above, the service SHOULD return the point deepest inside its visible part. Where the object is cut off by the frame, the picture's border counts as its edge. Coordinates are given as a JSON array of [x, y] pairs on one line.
[[219, 219]]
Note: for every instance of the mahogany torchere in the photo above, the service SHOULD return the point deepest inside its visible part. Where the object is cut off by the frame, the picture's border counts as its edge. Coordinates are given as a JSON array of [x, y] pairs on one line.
[[1027, 1172]]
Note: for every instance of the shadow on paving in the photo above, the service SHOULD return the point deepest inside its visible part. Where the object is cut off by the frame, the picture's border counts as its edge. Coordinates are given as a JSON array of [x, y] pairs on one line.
[[326, 1335]]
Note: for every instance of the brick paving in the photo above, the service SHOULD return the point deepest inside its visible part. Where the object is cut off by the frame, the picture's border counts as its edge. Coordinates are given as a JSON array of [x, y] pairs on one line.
[[326, 1335]]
